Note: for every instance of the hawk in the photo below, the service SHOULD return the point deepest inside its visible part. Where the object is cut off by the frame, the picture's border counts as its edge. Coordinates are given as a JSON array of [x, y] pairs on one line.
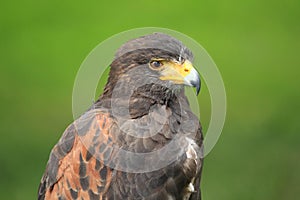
[[140, 139]]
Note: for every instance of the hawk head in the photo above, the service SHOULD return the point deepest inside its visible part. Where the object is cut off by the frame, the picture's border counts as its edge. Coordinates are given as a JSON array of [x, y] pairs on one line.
[[155, 59]]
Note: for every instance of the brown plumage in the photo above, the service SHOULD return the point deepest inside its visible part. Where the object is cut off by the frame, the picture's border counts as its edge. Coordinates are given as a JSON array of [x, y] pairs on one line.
[[142, 110]]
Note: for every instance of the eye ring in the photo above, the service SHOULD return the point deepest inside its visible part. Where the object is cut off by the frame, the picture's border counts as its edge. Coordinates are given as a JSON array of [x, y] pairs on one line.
[[156, 64]]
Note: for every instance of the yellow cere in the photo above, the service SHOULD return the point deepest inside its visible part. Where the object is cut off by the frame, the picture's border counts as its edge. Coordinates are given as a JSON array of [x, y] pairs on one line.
[[176, 71]]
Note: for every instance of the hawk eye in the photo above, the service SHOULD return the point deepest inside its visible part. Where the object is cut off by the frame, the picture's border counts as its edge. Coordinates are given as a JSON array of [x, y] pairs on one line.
[[156, 64]]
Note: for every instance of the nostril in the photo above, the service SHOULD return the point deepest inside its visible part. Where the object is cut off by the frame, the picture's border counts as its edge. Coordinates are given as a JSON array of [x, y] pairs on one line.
[[186, 70]]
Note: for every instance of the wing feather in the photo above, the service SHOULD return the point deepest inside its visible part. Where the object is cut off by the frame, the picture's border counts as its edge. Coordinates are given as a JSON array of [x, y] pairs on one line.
[[73, 171]]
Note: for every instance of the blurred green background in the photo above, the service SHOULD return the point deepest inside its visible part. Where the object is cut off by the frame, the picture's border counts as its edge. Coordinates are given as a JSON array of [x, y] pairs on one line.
[[254, 43]]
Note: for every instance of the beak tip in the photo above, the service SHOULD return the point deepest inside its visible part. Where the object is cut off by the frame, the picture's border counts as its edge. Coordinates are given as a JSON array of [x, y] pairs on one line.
[[196, 83], [198, 89]]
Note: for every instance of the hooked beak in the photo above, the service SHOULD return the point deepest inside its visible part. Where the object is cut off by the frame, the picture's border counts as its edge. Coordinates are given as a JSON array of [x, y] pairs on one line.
[[183, 73], [193, 79]]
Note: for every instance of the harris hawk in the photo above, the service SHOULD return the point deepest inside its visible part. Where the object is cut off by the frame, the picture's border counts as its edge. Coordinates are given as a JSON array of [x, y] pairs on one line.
[[140, 139]]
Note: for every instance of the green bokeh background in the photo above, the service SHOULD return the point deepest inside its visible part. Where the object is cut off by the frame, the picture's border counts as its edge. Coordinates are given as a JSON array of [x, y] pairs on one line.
[[254, 43]]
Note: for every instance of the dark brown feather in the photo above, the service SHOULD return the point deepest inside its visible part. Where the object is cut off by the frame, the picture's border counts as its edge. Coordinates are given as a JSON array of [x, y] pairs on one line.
[[84, 163]]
